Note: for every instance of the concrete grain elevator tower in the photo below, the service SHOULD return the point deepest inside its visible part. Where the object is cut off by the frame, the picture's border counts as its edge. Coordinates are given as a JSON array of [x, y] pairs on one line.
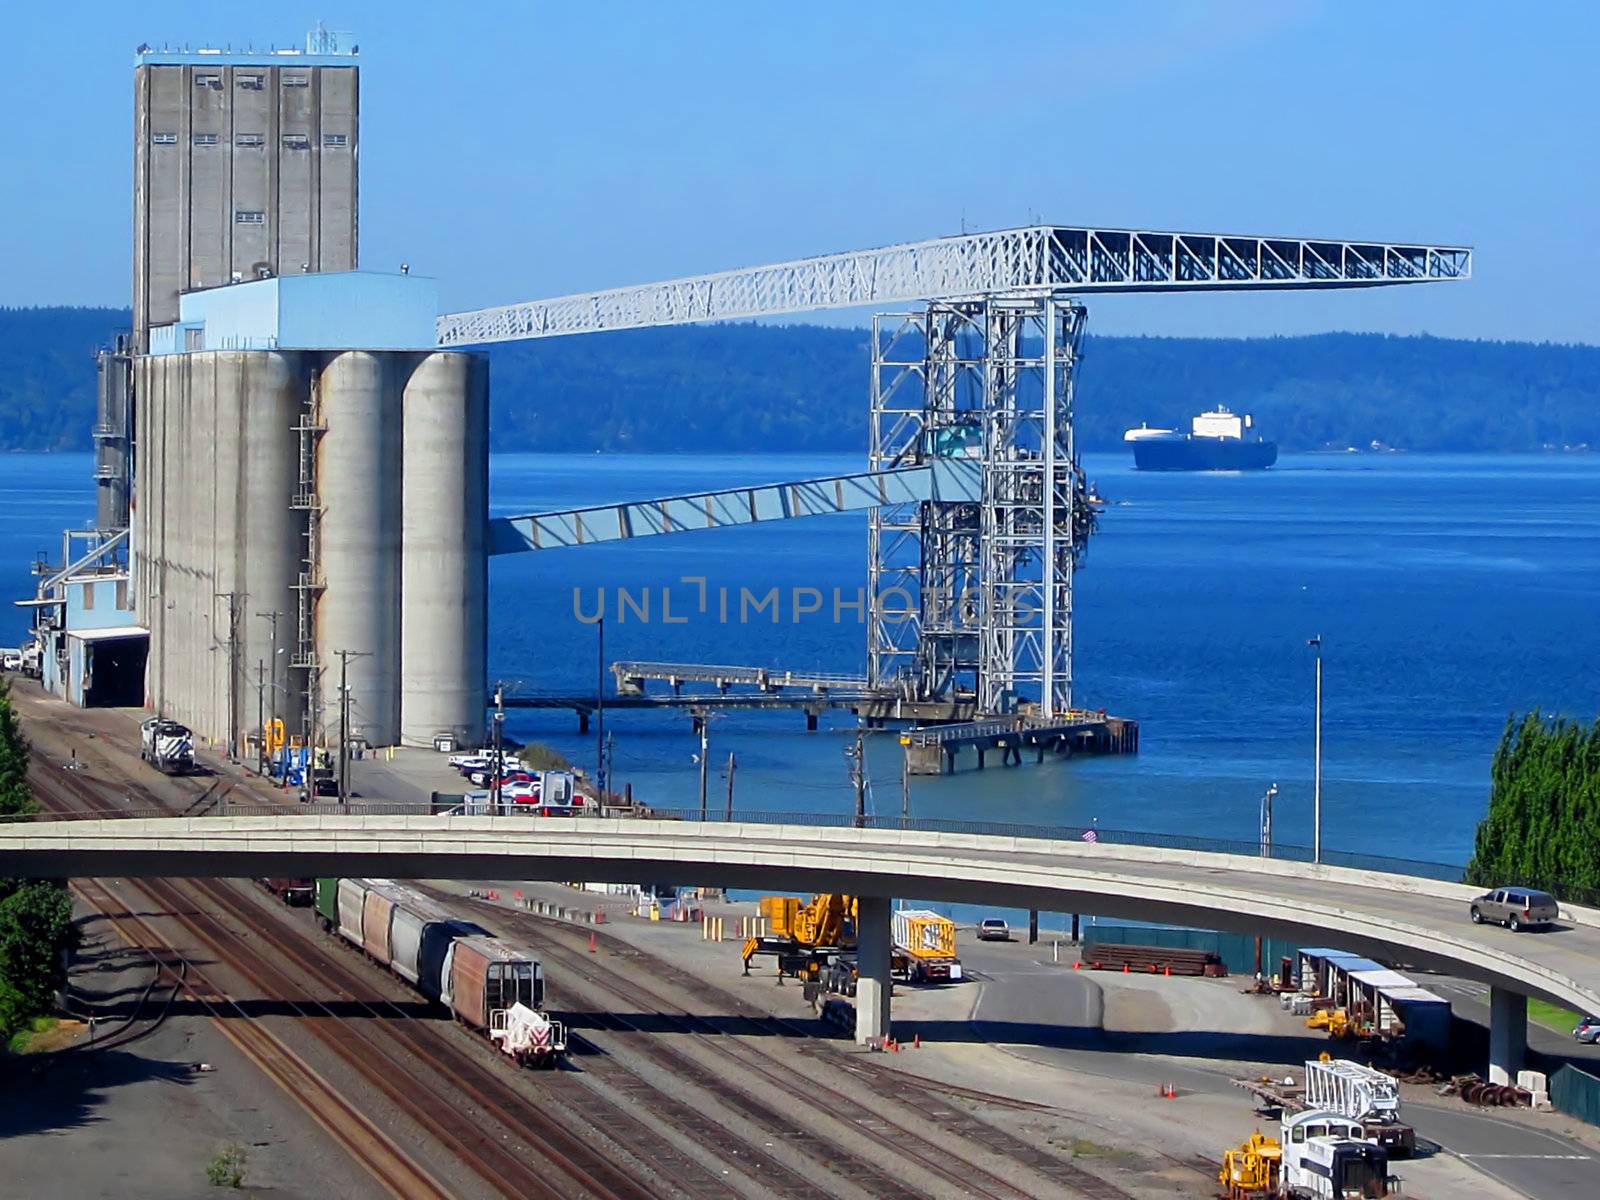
[[310, 473]]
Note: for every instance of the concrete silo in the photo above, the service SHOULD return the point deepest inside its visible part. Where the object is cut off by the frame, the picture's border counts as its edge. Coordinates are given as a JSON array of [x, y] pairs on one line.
[[215, 539], [359, 478], [326, 465], [444, 562]]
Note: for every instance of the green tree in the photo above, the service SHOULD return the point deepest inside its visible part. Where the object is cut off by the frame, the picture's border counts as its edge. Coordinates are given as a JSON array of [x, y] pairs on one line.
[[35, 914], [16, 799], [1543, 824]]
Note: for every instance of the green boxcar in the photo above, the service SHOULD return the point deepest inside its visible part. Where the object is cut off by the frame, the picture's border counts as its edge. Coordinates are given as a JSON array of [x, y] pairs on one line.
[[328, 902]]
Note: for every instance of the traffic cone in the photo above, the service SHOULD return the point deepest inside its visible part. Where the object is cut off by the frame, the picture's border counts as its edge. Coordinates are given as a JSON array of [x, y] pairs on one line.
[[1124, 968], [594, 943], [1077, 965], [1169, 972], [916, 1042]]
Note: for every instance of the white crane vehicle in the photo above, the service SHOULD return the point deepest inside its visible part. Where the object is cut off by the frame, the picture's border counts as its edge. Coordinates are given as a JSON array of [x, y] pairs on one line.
[[1326, 1157], [167, 746]]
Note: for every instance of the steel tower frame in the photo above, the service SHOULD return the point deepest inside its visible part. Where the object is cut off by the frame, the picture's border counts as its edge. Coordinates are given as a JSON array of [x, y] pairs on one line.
[[975, 598]]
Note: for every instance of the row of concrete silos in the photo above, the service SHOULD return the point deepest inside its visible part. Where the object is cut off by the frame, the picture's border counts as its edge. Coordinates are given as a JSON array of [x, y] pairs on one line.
[[400, 481]]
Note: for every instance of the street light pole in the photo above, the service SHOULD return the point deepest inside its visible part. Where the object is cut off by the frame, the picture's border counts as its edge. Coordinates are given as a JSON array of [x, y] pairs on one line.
[[1266, 821], [1316, 784]]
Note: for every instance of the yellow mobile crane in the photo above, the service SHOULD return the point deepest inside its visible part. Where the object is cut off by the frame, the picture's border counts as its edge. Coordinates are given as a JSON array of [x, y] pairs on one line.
[[804, 936]]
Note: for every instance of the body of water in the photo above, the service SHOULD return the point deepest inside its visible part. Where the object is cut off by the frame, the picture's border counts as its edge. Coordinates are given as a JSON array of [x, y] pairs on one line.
[[1450, 592]]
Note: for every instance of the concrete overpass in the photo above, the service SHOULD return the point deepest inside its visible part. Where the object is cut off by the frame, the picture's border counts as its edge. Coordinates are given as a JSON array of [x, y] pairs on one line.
[[1397, 917]]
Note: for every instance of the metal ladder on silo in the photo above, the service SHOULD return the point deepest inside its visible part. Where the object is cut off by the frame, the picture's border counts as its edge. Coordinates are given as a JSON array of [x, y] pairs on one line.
[[309, 582]]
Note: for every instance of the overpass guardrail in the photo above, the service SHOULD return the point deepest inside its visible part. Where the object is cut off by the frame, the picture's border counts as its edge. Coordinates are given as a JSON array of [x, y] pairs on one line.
[[1096, 834]]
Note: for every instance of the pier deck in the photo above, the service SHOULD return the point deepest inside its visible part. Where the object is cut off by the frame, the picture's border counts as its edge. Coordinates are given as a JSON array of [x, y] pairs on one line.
[[934, 750]]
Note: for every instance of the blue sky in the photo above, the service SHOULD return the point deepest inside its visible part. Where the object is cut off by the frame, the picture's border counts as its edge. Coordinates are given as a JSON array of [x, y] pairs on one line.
[[533, 149]]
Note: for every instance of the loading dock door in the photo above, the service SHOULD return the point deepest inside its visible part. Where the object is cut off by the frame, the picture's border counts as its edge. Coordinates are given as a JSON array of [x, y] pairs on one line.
[[111, 666]]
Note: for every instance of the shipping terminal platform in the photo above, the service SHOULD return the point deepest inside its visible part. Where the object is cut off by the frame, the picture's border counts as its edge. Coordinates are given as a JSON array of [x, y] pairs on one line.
[[938, 728]]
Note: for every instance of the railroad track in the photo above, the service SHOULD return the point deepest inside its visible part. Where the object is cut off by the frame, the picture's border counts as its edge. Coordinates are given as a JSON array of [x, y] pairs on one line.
[[579, 1169], [941, 1157], [397, 1171], [509, 1108], [927, 1097]]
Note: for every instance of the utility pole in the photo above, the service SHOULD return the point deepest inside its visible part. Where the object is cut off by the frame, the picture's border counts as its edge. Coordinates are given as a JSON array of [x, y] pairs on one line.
[[905, 790], [731, 765], [234, 669], [499, 748], [1266, 821], [1316, 786], [261, 716], [704, 721], [344, 720], [272, 661], [600, 710], [858, 777]]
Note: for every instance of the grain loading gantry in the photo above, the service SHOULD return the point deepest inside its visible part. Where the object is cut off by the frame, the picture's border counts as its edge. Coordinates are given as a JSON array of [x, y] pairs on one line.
[[978, 509]]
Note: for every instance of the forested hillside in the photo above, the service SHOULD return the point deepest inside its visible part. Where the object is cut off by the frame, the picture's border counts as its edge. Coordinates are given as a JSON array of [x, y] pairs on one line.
[[749, 387], [47, 374]]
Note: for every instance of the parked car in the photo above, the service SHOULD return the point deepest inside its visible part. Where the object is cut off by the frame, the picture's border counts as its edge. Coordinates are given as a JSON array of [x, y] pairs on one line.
[[1515, 908], [993, 929], [11, 660], [485, 777], [1588, 1030]]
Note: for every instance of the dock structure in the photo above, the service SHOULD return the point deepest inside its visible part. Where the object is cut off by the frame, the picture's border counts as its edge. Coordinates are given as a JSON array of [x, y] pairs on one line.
[[934, 750], [941, 727], [875, 709], [632, 677]]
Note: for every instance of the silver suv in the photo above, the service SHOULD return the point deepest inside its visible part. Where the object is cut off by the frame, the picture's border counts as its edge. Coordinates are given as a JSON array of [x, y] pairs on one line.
[[1515, 908]]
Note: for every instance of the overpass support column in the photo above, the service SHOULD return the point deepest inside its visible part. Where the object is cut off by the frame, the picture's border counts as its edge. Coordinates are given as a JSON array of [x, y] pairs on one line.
[[873, 982], [1508, 1034]]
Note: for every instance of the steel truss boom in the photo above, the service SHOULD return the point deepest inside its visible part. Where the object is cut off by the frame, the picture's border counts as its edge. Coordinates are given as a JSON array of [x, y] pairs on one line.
[[908, 484], [1049, 258]]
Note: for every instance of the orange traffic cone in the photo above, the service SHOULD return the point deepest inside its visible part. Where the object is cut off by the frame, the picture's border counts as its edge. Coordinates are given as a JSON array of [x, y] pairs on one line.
[[593, 943], [916, 1042], [1124, 968]]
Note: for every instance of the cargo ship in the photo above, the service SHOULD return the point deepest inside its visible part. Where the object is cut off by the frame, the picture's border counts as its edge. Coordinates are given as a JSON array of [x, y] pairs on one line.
[[1216, 441]]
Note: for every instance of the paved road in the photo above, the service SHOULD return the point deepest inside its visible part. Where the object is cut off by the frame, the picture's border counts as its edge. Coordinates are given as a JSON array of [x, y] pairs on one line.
[[1053, 1015]]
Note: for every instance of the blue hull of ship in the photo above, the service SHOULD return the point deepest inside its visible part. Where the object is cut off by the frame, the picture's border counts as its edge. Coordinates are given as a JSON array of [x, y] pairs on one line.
[[1203, 454]]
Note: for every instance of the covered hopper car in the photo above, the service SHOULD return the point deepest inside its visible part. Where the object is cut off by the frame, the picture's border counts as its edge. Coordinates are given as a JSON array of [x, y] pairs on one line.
[[492, 985]]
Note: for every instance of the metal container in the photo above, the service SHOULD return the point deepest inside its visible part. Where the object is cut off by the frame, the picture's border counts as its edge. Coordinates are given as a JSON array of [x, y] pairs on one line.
[[444, 560], [359, 487], [377, 917], [327, 902], [420, 934], [487, 974], [352, 901]]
